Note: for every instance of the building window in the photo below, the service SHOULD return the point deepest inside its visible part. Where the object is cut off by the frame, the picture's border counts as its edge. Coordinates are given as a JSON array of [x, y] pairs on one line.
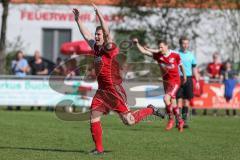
[[52, 40]]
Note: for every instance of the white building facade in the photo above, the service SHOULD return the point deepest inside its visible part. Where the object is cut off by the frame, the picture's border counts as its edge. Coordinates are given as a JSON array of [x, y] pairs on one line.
[[45, 27]]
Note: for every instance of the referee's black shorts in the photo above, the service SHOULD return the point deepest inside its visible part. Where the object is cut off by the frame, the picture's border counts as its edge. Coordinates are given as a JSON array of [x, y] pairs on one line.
[[186, 90]]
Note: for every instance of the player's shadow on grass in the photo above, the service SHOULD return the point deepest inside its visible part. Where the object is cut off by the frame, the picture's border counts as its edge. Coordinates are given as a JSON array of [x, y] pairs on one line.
[[43, 149], [47, 150]]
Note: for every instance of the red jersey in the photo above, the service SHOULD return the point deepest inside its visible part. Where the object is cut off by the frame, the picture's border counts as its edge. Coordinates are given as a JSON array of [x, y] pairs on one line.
[[106, 66], [169, 66], [214, 69]]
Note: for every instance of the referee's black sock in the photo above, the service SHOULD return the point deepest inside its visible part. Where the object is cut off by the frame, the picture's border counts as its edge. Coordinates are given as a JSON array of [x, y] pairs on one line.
[[185, 113]]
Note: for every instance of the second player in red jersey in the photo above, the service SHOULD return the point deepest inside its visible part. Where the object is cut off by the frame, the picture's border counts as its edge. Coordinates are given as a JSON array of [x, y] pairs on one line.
[[169, 63]]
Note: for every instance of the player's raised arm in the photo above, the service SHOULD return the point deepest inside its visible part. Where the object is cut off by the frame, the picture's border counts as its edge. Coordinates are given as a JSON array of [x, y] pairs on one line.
[[84, 31], [142, 49], [106, 32], [152, 50]]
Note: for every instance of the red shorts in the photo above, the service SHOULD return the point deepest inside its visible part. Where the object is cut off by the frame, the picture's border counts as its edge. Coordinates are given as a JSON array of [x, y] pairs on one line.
[[171, 88], [114, 99]]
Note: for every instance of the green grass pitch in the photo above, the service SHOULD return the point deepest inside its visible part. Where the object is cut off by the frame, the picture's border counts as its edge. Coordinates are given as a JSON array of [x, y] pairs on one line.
[[38, 135]]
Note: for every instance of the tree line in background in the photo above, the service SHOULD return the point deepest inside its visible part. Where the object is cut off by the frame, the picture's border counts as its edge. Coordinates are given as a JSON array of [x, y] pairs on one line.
[[173, 22], [5, 4]]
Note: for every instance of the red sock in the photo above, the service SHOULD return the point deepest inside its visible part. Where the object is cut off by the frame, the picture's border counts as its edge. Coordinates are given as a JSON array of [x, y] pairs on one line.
[[169, 109], [142, 113], [176, 112], [96, 131]]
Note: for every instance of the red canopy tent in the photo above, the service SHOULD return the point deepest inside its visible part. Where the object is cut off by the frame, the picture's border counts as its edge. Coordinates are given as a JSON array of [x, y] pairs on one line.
[[78, 47]]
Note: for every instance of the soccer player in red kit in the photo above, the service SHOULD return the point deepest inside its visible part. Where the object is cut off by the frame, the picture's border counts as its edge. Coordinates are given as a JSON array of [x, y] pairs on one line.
[[110, 94], [169, 63]]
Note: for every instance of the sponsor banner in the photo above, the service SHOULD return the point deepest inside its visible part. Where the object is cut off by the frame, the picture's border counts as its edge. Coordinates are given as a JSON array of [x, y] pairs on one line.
[[213, 97], [25, 92], [37, 92]]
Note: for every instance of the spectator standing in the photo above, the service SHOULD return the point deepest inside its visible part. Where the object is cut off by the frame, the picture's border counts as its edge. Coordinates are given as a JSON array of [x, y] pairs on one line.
[[20, 68], [59, 68], [38, 66], [214, 68], [229, 78], [213, 72], [72, 69], [20, 65]]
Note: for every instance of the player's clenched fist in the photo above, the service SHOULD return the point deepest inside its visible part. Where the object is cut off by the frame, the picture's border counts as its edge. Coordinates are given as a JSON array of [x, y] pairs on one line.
[[76, 13], [95, 8], [135, 40]]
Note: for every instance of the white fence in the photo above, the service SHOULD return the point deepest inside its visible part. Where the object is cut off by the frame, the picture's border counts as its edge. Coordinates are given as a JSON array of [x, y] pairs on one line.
[[36, 91]]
